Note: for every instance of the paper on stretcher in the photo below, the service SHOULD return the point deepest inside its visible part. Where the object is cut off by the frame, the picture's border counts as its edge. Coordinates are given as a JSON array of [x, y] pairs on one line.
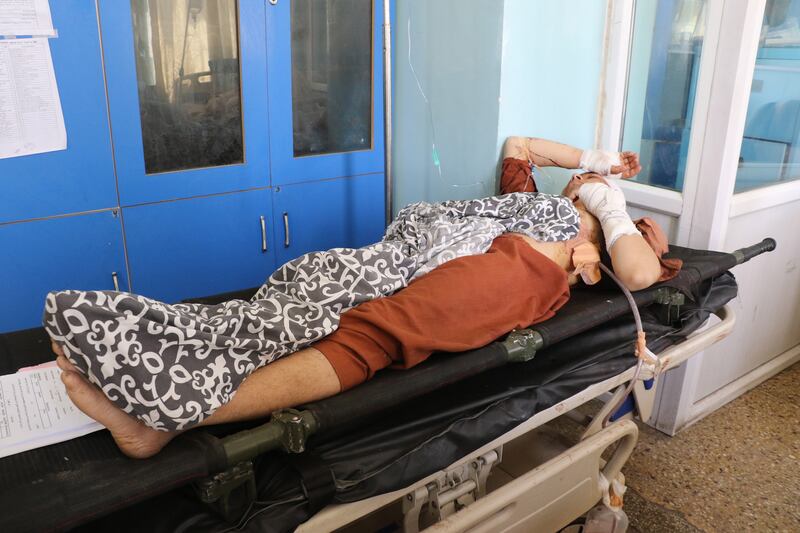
[[35, 411]]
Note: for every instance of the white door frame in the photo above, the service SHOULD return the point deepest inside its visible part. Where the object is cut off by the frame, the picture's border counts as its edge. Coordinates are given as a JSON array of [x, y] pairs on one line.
[[704, 206]]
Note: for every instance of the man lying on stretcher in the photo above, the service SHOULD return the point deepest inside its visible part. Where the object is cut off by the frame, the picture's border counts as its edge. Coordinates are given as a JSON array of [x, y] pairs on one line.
[[114, 339]]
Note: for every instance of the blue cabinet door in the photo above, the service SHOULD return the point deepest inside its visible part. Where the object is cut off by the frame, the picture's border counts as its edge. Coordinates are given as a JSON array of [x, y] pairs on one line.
[[340, 213], [74, 252], [187, 94], [80, 178], [325, 89], [201, 246]]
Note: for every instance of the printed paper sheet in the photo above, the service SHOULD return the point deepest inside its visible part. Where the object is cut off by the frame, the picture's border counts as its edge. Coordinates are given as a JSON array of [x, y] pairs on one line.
[[31, 119], [26, 17], [35, 411]]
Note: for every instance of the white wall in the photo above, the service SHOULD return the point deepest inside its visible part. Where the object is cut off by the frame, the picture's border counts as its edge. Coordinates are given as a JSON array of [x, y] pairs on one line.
[[768, 306], [668, 223]]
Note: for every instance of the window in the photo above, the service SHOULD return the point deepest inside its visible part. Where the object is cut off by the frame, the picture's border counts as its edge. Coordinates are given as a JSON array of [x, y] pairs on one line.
[[771, 143], [331, 76], [187, 66], [662, 76]]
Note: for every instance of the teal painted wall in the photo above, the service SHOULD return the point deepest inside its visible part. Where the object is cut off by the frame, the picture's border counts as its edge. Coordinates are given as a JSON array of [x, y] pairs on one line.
[[480, 71], [552, 60], [447, 61]]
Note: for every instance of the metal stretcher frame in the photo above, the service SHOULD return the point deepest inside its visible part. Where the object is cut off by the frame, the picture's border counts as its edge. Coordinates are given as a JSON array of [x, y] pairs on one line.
[[555, 493]]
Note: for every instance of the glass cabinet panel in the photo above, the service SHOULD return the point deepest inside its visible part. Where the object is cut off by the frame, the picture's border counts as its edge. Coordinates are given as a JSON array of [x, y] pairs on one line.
[[331, 76], [771, 144], [187, 66]]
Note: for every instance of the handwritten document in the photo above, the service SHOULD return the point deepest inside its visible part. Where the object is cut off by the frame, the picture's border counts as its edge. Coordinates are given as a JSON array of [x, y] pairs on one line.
[[31, 120], [26, 17], [35, 411]]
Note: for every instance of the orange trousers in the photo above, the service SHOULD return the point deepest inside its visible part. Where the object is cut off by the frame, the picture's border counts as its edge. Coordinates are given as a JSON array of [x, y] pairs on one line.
[[462, 305]]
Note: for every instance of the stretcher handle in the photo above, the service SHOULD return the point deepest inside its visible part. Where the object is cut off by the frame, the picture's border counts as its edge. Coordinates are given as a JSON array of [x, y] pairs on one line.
[[746, 254], [677, 354]]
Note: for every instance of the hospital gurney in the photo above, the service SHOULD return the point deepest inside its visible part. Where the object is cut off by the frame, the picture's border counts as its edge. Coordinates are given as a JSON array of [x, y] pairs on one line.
[[428, 436]]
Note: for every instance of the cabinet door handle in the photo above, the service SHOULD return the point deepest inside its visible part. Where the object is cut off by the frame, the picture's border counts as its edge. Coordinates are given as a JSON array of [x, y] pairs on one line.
[[273, 2], [286, 241], [263, 234], [115, 279]]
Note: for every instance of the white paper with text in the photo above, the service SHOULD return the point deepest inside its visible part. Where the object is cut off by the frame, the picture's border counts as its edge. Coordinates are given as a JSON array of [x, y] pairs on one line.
[[35, 411], [31, 119], [26, 17]]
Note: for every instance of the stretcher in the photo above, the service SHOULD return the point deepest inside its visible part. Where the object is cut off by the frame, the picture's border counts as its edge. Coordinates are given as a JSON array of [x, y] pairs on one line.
[[422, 442]]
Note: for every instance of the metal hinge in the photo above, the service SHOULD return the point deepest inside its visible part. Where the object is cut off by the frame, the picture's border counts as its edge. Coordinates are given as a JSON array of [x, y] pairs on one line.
[[230, 492], [672, 300], [296, 429], [522, 345], [453, 490]]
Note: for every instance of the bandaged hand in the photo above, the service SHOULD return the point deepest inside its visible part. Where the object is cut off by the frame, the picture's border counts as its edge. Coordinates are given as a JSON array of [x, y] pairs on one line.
[[615, 165], [608, 205]]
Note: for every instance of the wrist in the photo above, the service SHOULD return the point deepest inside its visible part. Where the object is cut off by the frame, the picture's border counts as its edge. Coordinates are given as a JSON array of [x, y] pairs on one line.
[[599, 161]]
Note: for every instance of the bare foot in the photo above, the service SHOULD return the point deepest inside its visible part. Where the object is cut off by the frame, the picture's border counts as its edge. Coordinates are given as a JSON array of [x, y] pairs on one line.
[[133, 438]]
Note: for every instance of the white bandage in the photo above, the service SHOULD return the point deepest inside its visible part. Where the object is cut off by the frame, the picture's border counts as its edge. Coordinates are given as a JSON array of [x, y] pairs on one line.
[[600, 161], [608, 205]]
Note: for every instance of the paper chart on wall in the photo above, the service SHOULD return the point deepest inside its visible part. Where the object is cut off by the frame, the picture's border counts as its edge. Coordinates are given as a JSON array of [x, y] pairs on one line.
[[35, 411], [26, 17], [31, 119]]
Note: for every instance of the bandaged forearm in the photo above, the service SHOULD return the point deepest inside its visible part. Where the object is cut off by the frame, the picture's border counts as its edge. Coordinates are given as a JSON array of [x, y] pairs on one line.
[[600, 161], [608, 205]]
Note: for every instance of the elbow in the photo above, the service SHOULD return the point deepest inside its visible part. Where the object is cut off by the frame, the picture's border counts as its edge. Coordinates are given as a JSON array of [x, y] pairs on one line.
[[639, 279], [514, 147]]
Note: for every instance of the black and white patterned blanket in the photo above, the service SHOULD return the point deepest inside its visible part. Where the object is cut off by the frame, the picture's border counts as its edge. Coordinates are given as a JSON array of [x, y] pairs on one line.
[[172, 365]]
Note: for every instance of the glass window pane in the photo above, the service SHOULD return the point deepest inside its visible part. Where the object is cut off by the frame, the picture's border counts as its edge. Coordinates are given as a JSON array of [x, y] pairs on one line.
[[771, 144], [331, 76], [665, 59], [187, 66]]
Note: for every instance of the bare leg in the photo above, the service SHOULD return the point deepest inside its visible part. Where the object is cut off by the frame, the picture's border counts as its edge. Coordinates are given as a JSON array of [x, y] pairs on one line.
[[302, 377], [299, 378]]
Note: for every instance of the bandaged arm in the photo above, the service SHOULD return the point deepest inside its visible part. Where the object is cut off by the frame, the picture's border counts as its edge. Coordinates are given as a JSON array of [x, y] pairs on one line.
[[633, 260], [607, 203], [601, 162]]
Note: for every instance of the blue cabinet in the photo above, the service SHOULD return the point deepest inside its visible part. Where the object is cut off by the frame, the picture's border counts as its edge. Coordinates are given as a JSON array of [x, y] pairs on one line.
[[315, 216], [74, 252], [242, 134], [187, 92], [80, 178], [325, 89], [200, 246]]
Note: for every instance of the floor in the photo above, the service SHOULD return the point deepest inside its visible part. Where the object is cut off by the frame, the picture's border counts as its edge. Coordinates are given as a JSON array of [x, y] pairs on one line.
[[735, 470]]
